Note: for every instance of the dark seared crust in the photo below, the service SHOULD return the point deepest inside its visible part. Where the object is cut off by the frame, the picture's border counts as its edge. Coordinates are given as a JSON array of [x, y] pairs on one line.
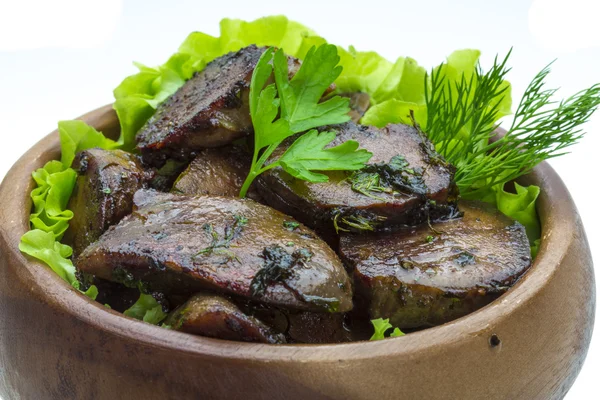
[[168, 244], [418, 281], [209, 110], [359, 104], [317, 204], [103, 193], [215, 316], [216, 172]]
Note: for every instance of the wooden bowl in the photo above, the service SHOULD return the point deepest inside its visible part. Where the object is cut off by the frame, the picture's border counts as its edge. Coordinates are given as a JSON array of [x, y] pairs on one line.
[[57, 344]]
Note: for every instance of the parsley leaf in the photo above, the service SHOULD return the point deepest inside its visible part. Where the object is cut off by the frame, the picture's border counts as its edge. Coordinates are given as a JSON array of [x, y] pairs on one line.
[[281, 110], [308, 154], [300, 97]]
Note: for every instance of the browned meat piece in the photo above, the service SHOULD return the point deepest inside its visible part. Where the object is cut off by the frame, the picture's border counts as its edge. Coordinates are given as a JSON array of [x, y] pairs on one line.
[[103, 193], [184, 244], [310, 327], [405, 183], [209, 110], [419, 277], [216, 172], [215, 316], [302, 326], [359, 104]]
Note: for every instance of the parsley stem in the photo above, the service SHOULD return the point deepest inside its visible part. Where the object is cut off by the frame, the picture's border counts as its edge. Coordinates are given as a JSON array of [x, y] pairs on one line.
[[247, 183]]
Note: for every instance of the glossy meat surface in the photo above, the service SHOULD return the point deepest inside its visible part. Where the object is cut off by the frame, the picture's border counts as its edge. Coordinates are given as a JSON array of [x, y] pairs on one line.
[[103, 193], [183, 244], [323, 205], [215, 316], [216, 172], [418, 277]]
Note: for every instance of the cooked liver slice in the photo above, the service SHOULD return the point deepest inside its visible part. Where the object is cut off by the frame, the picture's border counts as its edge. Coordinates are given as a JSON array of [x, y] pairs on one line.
[[103, 193], [209, 110], [216, 172], [319, 205], [419, 278], [215, 316], [184, 244]]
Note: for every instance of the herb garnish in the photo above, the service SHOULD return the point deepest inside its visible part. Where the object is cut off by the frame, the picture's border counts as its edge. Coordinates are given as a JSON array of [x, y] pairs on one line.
[[392, 177], [461, 121], [221, 246], [357, 222], [299, 106], [290, 225], [278, 266]]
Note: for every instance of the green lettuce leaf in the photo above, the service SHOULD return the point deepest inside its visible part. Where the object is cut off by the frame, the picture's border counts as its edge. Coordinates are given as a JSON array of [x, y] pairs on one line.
[[381, 326], [50, 217], [362, 71], [146, 309], [43, 246], [403, 90], [520, 206], [50, 197], [76, 136], [277, 31], [404, 82], [92, 292], [393, 112]]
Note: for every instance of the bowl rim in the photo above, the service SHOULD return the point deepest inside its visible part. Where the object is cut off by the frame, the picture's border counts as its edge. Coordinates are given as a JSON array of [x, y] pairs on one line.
[[557, 212]]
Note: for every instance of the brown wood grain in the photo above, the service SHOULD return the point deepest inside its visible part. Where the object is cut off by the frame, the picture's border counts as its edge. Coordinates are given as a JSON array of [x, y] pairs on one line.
[[57, 344]]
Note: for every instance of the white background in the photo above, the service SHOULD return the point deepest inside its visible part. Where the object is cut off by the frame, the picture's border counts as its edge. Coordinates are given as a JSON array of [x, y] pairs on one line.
[[62, 58]]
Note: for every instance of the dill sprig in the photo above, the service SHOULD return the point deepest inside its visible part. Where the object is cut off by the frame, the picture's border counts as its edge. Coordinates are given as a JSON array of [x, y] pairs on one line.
[[461, 119]]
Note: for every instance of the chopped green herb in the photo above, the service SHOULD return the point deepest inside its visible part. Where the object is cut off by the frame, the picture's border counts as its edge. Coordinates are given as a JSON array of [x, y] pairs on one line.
[[357, 222], [396, 175], [299, 106], [290, 225], [278, 266], [106, 190], [289, 244], [367, 182], [429, 239], [221, 246]]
